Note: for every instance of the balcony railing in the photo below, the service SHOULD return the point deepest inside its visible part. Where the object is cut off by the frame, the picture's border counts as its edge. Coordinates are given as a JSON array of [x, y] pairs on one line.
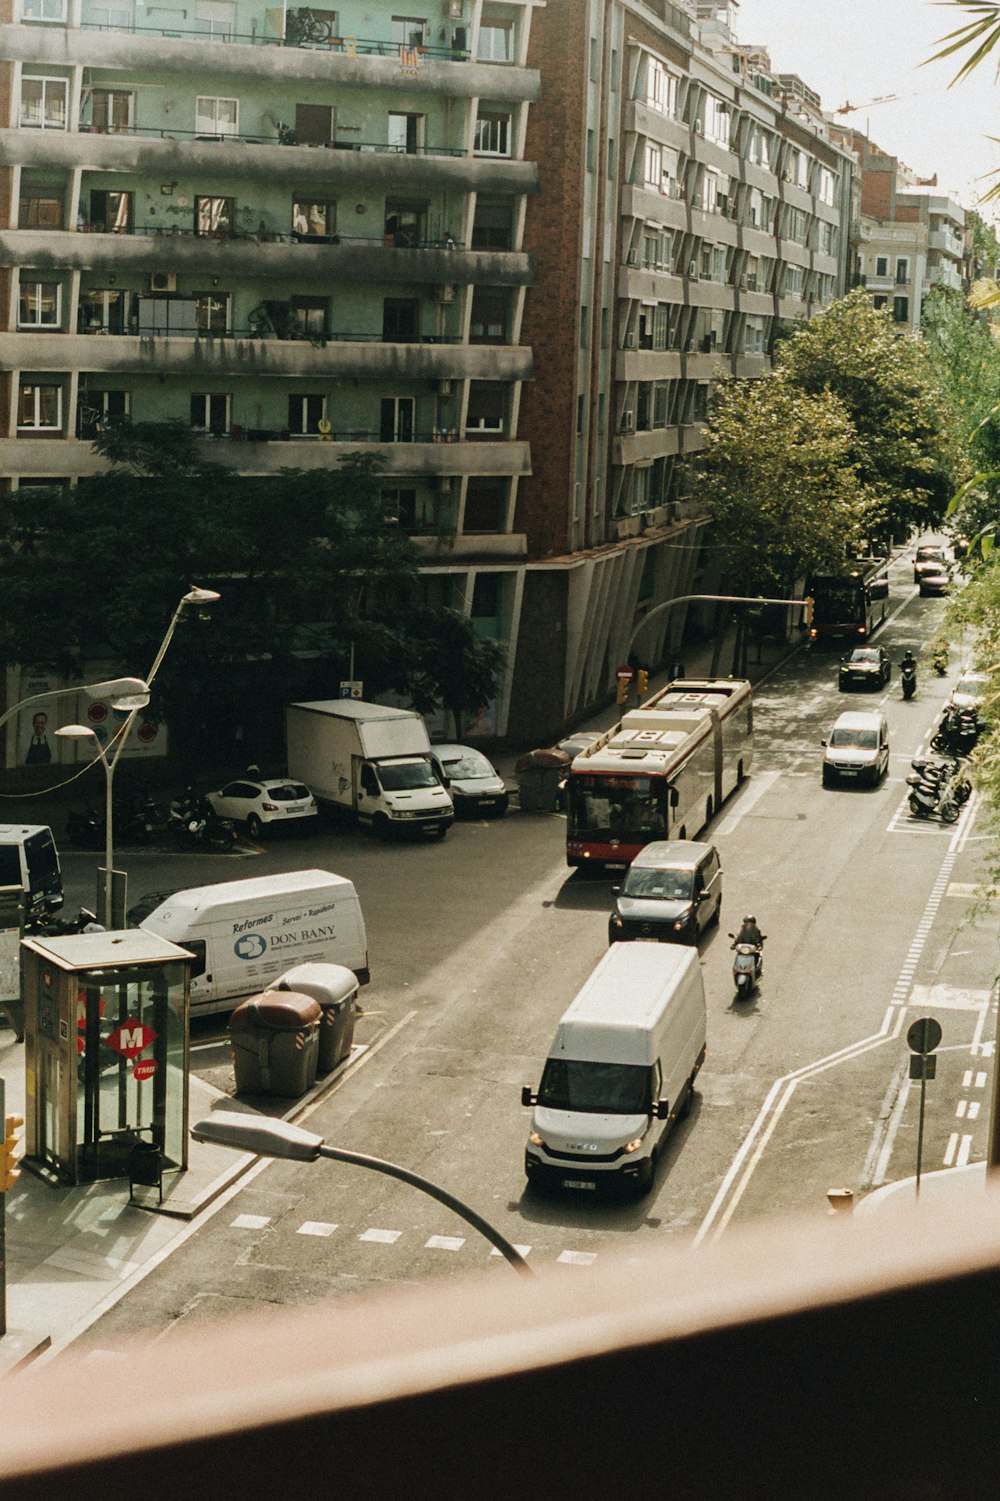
[[396, 241], [283, 136], [255, 330], [351, 46]]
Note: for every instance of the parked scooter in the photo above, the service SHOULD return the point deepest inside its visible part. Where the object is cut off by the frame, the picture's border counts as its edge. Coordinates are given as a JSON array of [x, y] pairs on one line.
[[193, 820], [748, 966], [945, 771], [45, 923], [908, 675], [85, 828], [958, 731], [929, 799]]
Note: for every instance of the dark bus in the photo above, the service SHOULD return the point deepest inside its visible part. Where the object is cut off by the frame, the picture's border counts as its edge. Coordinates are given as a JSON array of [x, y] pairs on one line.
[[850, 604]]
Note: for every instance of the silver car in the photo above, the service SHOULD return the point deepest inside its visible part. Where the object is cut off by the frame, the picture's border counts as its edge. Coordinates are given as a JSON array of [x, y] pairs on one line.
[[475, 785]]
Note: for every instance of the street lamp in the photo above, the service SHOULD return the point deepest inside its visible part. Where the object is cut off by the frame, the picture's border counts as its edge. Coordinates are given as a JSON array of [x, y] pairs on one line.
[[112, 688], [134, 697], [266, 1137]]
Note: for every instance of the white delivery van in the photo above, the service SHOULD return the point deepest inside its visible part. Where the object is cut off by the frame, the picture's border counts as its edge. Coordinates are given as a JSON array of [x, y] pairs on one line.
[[245, 934], [29, 859], [621, 1069]]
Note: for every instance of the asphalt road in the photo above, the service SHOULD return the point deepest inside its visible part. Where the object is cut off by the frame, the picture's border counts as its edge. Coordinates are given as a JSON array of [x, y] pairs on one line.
[[477, 945]]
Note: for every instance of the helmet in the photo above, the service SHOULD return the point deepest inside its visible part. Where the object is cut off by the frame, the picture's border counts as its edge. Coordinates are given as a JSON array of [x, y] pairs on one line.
[[751, 918]]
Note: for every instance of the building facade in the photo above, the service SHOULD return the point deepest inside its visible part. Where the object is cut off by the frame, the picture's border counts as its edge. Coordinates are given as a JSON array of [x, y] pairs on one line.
[[506, 245]]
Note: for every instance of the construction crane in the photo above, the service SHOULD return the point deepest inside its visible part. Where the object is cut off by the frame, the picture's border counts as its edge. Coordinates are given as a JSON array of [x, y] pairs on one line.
[[852, 109]]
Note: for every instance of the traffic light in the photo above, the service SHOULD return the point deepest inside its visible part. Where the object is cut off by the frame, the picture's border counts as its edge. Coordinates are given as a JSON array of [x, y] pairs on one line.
[[9, 1170], [807, 610], [621, 696], [641, 681]]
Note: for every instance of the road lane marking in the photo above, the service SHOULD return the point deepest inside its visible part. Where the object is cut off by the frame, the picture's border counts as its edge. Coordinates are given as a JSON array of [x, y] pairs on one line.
[[445, 1243], [315, 1227], [250, 1222], [760, 783], [381, 1237], [577, 1258]]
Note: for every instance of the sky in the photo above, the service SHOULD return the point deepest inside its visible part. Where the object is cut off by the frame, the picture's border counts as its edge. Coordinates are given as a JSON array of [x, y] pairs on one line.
[[856, 51]]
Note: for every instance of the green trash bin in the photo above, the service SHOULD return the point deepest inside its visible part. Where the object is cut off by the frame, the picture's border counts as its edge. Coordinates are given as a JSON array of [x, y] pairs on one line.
[[275, 1040], [335, 988]]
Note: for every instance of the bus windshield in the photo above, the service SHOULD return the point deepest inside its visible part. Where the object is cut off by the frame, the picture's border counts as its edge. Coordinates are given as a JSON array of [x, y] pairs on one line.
[[838, 603], [617, 807], [600, 1088]]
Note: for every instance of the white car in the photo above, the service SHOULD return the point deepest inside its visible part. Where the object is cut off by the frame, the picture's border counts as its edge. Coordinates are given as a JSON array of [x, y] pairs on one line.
[[475, 785], [269, 801]]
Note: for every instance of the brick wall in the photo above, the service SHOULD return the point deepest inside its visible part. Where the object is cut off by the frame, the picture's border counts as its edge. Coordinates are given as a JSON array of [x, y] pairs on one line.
[[537, 711]]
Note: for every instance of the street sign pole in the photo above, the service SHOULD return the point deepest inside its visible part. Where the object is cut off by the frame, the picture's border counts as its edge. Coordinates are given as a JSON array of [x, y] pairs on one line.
[[922, 1038]]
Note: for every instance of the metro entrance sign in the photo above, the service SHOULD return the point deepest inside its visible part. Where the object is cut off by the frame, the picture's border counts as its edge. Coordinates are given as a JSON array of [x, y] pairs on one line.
[[131, 1038]]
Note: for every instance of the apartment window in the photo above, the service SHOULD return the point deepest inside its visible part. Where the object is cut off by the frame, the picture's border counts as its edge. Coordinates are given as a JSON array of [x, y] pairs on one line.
[[496, 41], [715, 119], [215, 19], [661, 88], [902, 271], [753, 336], [661, 403], [314, 124], [759, 147], [492, 134], [487, 407], [110, 213], [44, 103], [796, 226], [115, 16], [794, 281], [880, 302], [827, 237], [404, 223], [652, 165], [111, 110], [710, 191], [102, 311], [211, 311], [881, 265], [39, 304], [489, 317], [406, 133], [485, 505], [210, 412], [312, 218], [214, 216], [216, 117], [493, 227], [401, 320], [750, 275], [39, 407], [397, 419], [305, 413], [403, 505], [43, 10], [827, 185], [409, 31], [755, 209], [311, 316], [901, 309], [97, 410], [486, 598]]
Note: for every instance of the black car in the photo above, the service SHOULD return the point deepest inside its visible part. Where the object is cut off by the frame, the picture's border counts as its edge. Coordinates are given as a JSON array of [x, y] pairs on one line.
[[866, 667]]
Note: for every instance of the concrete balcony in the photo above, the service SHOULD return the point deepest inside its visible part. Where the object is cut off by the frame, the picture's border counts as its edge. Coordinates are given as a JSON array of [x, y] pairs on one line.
[[639, 283], [41, 457], [648, 364], [496, 547], [276, 258], [639, 201], [268, 61], [632, 448], [123, 354], [710, 294], [237, 160], [644, 121]]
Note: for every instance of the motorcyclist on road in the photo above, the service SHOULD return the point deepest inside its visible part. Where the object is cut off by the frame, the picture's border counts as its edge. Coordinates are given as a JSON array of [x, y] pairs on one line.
[[908, 661], [750, 933]]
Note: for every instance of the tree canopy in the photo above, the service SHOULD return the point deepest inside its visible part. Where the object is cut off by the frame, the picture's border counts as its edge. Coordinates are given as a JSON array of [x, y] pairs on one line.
[[312, 568]]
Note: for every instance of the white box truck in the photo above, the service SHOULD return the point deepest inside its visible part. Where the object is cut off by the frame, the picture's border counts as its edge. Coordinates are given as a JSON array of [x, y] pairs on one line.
[[244, 935], [621, 1069], [372, 760]]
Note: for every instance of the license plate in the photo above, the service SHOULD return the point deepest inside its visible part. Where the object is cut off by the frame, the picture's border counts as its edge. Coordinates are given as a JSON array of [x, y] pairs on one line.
[[579, 1183], [848, 772]]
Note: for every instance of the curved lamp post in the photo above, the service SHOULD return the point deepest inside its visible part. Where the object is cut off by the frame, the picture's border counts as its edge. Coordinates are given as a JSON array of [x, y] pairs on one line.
[[266, 1137], [134, 697], [111, 688]]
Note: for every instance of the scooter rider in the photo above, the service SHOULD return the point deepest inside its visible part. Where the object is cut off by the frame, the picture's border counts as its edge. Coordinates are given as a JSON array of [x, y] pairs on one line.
[[750, 933]]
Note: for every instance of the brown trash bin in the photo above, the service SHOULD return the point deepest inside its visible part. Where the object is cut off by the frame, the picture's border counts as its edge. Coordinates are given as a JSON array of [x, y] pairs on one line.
[[275, 1039]]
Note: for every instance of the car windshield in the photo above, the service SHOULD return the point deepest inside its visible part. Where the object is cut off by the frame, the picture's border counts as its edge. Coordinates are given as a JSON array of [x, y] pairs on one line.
[[406, 775], [970, 688], [854, 739], [287, 792], [659, 885], [468, 766], [864, 654], [600, 1088], [925, 554]]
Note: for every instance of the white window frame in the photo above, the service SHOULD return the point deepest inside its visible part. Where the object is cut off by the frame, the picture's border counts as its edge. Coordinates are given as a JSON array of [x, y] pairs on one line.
[[409, 31], [661, 88], [120, 16], [302, 429], [206, 116], [47, 82], [709, 190], [652, 165], [51, 11], [496, 41], [215, 19], [827, 186], [207, 398], [36, 287], [37, 387], [493, 134]]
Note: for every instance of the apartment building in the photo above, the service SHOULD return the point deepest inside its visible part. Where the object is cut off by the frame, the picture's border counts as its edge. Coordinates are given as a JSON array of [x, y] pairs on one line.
[[908, 235], [506, 245], [691, 204]]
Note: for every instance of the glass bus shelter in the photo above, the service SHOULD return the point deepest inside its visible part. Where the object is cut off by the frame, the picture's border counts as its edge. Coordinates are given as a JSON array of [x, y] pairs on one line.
[[106, 1053]]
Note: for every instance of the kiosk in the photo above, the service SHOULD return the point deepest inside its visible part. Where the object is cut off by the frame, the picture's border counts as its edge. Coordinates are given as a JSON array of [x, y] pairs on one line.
[[106, 1054]]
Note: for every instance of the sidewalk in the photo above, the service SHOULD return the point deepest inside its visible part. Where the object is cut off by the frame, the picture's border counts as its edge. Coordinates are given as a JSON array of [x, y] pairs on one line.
[[74, 1252]]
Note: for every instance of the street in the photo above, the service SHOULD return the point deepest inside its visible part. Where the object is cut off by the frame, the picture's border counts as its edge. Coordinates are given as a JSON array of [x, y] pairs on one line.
[[477, 945]]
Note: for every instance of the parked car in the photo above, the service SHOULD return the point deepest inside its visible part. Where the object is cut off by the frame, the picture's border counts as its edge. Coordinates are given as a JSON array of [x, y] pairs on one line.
[[936, 580], [928, 557], [970, 690], [857, 750], [866, 667], [672, 891], [271, 800], [475, 785]]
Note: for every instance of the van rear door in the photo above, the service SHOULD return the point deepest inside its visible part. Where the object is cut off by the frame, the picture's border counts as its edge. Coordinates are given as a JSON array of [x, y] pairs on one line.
[[44, 878]]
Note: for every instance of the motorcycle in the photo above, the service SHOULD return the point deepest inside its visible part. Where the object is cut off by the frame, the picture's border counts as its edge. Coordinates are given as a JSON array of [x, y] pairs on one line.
[[944, 771], [85, 828], [193, 820], [45, 923], [958, 731], [748, 967], [931, 799], [908, 678]]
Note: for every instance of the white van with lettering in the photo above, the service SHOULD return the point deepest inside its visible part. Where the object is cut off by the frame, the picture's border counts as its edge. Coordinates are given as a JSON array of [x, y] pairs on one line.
[[245, 934]]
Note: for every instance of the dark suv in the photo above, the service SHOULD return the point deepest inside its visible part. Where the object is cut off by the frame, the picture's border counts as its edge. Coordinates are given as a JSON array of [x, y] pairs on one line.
[[671, 892]]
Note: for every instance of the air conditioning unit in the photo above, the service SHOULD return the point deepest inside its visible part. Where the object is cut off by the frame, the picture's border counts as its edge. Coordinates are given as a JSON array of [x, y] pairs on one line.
[[446, 293], [699, 128], [444, 386], [162, 281], [693, 271], [628, 421], [453, 9], [630, 341]]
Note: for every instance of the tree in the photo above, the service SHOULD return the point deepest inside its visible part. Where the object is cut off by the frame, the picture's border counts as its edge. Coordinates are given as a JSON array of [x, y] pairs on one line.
[[965, 355], [884, 380], [451, 666], [93, 574], [779, 478]]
